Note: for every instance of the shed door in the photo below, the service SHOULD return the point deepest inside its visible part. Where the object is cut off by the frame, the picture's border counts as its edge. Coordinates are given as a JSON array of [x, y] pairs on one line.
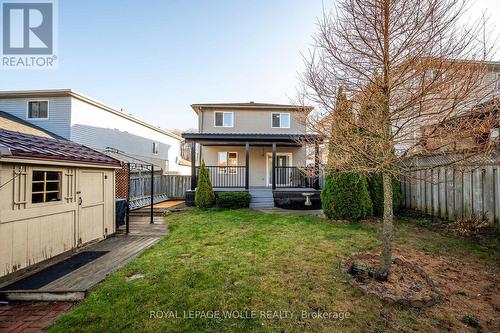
[[91, 206]]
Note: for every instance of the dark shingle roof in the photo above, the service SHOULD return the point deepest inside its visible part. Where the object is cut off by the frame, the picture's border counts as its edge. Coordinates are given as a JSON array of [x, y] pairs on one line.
[[21, 145]]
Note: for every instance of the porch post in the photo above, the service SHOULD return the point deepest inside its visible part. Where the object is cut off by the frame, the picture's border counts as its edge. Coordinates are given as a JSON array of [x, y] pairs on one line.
[[316, 166], [247, 165], [193, 165], [273, 169]]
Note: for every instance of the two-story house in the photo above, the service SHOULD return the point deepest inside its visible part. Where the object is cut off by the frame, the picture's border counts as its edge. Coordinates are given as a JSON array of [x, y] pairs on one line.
[[261, 148], [86, 121]]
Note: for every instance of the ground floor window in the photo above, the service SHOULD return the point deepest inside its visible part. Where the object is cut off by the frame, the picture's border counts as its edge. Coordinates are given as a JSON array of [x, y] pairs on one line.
[[227, 162], [45, 186]]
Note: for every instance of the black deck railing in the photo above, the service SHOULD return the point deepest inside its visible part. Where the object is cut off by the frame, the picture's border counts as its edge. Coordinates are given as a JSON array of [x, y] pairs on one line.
[[285, 177], [295, 177], [227, 177]]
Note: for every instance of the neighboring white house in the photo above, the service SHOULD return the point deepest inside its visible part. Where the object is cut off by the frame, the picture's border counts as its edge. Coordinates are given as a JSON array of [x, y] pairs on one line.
[[78, 118]]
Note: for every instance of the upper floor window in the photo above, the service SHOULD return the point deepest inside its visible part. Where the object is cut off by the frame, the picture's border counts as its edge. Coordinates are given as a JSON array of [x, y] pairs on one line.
[[280, 120], [223, 119], [38, 110], [45, 186], [155, 148]]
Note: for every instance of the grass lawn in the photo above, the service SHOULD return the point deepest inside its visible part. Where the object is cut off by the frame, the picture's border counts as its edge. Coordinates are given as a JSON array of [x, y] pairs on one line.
[[248, 261]]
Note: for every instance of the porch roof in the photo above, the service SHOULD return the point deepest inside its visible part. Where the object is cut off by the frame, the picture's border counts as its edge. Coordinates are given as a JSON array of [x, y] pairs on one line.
[[252, 138]]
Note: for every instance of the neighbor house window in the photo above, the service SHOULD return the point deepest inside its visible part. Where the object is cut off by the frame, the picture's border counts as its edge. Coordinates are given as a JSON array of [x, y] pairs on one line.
[[498, 82], [38, 110], [227, 162], [155, 148], [45, 186], [223, 119], [280, 120]]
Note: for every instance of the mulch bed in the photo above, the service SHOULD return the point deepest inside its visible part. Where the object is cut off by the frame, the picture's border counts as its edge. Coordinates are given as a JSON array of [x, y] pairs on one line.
[[407, 283]]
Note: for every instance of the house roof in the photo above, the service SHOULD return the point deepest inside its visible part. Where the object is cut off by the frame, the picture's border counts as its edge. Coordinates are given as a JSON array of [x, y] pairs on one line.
[[262, 138], [250, 106], [26, 146], [13, 123], [79, 96]]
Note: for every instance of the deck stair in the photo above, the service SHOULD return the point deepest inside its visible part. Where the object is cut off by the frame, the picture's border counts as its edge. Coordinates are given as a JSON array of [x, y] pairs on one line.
[[261, 198]]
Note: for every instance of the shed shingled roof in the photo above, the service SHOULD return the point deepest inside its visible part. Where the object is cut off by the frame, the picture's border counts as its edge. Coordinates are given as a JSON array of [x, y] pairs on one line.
[[27, 146]]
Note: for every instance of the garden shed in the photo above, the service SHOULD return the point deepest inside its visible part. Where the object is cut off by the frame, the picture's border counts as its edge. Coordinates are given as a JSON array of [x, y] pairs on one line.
[[55, 196]]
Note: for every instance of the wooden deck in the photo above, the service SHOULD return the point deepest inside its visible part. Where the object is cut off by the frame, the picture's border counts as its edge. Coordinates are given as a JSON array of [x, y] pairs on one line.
[[122, 249]]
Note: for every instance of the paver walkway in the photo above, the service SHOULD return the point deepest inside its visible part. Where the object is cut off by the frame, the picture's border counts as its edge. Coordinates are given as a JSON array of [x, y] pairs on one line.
[[30, 317]]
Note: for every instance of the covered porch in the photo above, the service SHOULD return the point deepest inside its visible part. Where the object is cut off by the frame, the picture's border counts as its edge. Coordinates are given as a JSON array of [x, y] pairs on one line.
[[255, 161]]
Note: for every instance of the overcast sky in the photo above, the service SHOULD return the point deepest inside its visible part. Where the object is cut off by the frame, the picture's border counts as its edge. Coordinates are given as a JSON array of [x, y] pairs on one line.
[[155, 58]]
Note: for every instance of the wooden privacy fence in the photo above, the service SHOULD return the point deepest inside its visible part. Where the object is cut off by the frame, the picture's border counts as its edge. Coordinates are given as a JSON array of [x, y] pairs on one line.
[[165, 186], [464, 191]]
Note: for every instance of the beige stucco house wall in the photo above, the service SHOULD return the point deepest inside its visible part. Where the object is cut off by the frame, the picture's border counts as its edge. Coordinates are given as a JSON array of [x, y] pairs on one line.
[[252, 119]]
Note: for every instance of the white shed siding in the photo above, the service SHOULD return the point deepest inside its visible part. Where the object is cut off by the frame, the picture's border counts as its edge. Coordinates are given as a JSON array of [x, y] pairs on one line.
[[59, 113], [98, 128], [33, 232]]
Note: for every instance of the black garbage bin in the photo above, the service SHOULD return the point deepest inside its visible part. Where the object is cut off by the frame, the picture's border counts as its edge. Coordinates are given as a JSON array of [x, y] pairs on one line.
[[121, 210]]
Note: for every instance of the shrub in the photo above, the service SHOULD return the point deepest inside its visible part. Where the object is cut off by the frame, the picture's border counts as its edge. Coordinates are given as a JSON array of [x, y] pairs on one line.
[[376, 189], [204, 196], [233, 200], [345, 196]]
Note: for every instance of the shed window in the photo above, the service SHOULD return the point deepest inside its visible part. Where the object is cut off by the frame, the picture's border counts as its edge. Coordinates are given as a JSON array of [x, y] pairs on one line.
[[45, 186], [227, 159], [280, 120], [223, 119], [38, 110]]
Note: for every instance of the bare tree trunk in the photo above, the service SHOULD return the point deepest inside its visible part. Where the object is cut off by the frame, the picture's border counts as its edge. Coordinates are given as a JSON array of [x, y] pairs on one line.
[[387, 231]]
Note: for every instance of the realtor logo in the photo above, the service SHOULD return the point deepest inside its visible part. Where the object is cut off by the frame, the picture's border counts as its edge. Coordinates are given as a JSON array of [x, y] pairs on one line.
[[28, 34]]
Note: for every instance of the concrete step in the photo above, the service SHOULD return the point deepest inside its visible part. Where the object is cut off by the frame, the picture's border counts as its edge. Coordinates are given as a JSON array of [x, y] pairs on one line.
[[261, 199], [270, 205]]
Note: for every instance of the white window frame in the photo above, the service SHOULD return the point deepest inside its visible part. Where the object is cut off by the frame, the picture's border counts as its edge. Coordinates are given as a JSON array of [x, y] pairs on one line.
[[227, 169], [157, 150], [37, 100], [223, 113], [281, 113]]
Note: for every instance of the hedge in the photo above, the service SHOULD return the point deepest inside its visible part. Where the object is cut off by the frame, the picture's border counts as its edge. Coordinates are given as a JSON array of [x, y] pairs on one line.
[[345, 196], [233, 200], [376, 189]]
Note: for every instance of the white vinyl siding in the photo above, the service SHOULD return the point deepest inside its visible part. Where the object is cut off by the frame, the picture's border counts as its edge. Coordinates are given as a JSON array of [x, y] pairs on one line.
[[59, 112], [97, 128]]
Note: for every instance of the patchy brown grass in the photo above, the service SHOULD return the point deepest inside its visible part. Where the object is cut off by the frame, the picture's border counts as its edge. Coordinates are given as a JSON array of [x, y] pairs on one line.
[[246, 260]]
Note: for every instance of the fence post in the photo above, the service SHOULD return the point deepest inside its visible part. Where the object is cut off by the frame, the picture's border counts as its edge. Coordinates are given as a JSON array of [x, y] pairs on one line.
[[152, 192], [127, 219]]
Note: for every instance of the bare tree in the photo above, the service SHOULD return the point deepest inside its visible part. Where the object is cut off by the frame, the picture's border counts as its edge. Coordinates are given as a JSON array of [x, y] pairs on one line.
[[406, 65]]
